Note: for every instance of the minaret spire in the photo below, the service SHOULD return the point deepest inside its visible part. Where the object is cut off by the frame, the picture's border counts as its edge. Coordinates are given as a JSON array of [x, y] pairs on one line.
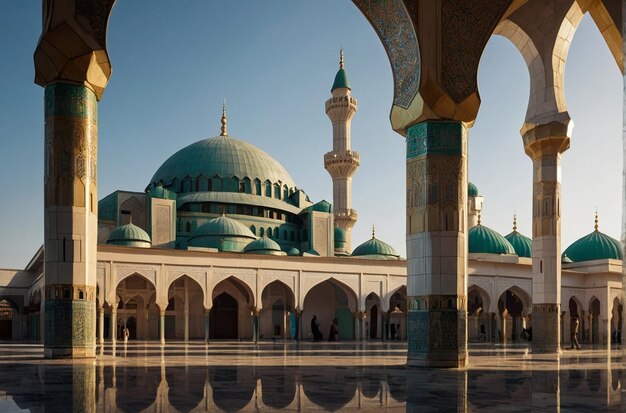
[[373, 231], [342, 162], [514, 222], [224, 130], [595, 227]]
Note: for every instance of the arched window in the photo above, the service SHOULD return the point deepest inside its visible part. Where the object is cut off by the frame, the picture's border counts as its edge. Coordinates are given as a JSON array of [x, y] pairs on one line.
[[268, 189], [253, 229], [285, 192], [277, 191], [261, 231], [269, 233], [257, 187]]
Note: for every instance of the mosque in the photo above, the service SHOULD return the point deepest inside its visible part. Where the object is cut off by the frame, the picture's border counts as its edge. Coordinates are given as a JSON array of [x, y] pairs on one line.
[[223, 244]]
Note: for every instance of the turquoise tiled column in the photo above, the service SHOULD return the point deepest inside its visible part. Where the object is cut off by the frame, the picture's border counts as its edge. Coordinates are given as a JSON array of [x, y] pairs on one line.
[[70, 197], [437, 244]]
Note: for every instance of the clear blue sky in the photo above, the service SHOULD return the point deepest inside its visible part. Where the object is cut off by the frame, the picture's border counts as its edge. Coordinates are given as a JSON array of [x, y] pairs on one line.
[[274, 62]]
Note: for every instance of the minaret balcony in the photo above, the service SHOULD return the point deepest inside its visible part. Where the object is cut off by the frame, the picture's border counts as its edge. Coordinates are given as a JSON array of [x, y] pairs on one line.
[[342, 164], [346, 218], [344, 106]]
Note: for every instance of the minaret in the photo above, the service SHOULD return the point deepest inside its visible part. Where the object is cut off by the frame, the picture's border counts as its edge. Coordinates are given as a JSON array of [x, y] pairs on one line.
[[342, 162]]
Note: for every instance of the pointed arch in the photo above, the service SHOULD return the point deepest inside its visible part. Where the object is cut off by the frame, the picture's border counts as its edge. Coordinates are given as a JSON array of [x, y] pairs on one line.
[[484, 295]]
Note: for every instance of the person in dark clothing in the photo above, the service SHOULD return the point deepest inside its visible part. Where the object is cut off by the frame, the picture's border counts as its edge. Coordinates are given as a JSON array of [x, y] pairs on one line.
[[334, 331], [315, 329]]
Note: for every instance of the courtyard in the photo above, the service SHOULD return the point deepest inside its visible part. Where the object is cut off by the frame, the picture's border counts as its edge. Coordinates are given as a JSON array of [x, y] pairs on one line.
[[143, 376]]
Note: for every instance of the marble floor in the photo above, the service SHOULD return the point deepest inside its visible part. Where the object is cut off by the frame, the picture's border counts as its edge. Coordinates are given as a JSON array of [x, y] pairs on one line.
[[292, 377]]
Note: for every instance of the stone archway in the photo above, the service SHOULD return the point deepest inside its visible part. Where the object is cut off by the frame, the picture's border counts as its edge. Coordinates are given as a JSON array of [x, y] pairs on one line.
[[136, 298], [185, 312], [479, 320], [231, 315], [511, 310], [374, 323], [7, 315], [277, 318], [328, 300], [595, 330]]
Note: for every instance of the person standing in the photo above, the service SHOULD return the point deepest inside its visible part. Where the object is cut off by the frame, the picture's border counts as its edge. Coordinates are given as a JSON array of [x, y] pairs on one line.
[[334, 331], [574, 325], [315, 329]]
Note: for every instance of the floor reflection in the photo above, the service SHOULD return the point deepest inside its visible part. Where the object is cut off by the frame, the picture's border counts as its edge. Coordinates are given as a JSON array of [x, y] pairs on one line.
[[515, 383]]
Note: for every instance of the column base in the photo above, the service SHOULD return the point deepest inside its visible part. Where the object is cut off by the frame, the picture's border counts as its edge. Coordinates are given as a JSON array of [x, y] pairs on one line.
[[70, 330], [546, 329], [437, 338]]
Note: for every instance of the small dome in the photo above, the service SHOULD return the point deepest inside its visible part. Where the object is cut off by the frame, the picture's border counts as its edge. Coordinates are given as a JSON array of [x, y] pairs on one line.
[[293, 252], [322, 206], [472, 190], [223, 233], [375, 249], [129, 235], [594, 246], [484, 240], [522, 244], [263, 245], [341, 80]]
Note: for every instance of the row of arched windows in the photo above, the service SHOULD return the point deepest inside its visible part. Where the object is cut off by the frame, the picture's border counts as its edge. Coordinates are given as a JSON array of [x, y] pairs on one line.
[[234, 184], [276, 233]]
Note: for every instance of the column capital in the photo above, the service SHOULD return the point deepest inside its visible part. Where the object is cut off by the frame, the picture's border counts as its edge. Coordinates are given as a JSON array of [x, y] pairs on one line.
[[548, 139], [72, 46]]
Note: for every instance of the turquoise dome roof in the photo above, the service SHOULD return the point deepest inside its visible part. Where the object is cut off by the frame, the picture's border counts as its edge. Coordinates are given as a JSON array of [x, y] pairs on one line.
[[522, 245], [129, 235], [484, 240], [375, 249], [341, 80], [263, 245], [594, 246], [472, 190], [224, 156], [223, 233], [311, 251], [292, 252]]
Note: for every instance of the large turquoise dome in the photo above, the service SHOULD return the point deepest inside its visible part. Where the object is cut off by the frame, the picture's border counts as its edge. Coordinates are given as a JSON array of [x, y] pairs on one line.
[[223, 233], [225, 157], [594, 246], [484, 240], [375, 249], [129, 235]]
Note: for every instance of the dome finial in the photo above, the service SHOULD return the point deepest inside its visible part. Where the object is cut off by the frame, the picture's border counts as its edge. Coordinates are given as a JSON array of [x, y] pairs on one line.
[[373, 231], [224, 131], [595, 227], [341, 58], [478, 218], [514, 222]]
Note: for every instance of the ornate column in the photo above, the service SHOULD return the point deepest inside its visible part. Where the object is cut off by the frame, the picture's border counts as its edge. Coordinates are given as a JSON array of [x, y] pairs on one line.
[[162, 326], [72, 64], [544, 144], [437, 241], [114, 325], [207, 320], [101, 325], [435, 101]]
